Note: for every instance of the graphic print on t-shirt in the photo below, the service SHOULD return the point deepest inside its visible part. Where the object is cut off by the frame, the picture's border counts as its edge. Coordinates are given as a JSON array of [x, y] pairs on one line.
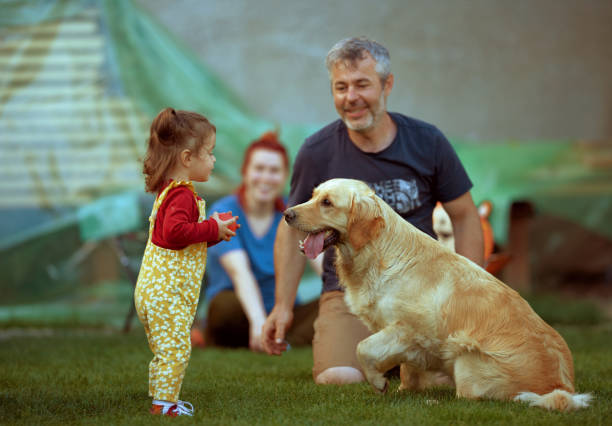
[[400, 194]]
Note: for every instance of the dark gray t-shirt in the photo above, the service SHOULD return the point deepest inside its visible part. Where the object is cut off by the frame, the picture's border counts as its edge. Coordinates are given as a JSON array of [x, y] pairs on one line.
[[419, 168]]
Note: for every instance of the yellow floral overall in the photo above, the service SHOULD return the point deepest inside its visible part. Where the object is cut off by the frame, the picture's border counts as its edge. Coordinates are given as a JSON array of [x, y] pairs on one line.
[[166, 298]]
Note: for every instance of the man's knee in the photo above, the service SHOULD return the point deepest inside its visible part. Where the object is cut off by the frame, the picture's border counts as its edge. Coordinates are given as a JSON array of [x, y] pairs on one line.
[[339, 376]]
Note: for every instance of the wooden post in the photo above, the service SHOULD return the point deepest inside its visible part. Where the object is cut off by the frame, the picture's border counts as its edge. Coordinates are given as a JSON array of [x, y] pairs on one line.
[[517, 272]]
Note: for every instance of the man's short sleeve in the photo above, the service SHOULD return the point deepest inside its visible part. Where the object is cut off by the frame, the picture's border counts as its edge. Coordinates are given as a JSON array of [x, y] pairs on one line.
[[452, 180]]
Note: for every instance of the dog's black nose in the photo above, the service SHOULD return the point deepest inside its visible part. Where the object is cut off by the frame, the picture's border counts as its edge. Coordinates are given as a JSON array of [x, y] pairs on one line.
[[289, 215]]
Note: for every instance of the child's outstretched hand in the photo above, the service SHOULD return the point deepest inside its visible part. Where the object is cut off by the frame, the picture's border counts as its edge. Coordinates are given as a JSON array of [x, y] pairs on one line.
[[227, 225]]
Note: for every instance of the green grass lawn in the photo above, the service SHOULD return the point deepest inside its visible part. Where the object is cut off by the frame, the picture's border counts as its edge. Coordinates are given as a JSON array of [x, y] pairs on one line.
[[97, 377]]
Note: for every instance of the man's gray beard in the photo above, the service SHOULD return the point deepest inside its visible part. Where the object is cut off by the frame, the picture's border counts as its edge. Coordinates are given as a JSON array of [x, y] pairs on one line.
[[360, 127], [373, 117]]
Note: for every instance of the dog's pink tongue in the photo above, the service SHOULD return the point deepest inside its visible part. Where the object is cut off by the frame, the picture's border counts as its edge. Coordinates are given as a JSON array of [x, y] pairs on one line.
[[313, 244]]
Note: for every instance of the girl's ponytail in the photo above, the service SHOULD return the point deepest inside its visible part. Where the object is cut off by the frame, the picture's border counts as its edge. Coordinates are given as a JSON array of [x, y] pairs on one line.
[[171, 132]]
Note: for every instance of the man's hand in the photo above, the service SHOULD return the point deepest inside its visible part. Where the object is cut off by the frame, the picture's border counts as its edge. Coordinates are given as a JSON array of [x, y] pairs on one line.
[[274, 329]]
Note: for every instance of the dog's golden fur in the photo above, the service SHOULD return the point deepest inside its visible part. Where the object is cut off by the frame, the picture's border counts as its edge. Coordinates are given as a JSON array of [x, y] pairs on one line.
[[431, 310]]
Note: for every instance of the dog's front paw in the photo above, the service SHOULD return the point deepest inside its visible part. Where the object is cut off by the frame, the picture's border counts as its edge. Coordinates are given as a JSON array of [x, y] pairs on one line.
[[380, 384]]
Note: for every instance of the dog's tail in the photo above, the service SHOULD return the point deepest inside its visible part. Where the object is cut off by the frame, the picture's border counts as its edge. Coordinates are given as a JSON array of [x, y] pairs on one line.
[[556, 400]]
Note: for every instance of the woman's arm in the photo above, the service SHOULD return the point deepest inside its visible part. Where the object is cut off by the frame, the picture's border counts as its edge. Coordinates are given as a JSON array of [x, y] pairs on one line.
[[236, 264]]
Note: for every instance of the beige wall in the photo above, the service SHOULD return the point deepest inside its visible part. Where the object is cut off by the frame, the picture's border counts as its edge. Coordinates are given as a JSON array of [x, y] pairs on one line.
[[479, 69]]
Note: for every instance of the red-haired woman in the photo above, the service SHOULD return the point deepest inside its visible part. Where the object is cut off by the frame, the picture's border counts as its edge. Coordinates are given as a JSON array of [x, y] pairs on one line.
[[240, 273]]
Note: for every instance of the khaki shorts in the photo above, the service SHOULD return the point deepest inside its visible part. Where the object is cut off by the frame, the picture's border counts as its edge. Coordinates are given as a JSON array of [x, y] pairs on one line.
[[337, 333]]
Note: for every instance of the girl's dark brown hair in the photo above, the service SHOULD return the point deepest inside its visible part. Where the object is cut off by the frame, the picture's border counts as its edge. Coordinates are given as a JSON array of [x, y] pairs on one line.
[[171, 132], [269, 141]]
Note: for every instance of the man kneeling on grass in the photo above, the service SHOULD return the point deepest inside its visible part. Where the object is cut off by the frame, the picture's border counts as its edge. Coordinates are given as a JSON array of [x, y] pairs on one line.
[[410, 165]]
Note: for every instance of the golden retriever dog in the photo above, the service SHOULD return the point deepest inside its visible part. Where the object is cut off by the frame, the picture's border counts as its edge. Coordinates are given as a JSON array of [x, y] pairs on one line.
[[432, 311]]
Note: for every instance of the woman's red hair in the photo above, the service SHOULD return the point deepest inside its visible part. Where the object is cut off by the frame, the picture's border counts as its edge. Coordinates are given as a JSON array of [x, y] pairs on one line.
[[270, 142]]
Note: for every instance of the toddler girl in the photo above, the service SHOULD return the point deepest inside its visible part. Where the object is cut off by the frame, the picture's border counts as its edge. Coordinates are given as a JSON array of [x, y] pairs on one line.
[[180, 149]]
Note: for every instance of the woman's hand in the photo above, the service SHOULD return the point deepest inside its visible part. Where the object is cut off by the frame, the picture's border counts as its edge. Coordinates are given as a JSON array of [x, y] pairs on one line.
[[236, 264], [255, 335]]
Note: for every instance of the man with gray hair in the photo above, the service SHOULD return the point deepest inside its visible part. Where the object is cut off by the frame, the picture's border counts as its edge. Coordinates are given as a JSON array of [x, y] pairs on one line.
[[410, 165]]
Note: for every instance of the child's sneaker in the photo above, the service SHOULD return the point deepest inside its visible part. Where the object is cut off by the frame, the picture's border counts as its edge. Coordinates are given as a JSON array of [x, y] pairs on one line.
[[181, 408], [197, 338]]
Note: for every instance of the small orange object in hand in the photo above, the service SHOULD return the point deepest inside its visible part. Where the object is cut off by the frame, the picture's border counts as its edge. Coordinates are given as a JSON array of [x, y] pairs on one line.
[[228, 216]]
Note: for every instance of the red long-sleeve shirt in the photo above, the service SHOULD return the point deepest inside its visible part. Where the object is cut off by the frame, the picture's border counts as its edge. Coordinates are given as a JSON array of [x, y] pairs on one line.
[[176, 224]]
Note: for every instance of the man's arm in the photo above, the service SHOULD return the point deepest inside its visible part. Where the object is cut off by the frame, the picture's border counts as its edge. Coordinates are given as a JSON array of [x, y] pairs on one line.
[[467, 230], [237, 265], [289, 266]]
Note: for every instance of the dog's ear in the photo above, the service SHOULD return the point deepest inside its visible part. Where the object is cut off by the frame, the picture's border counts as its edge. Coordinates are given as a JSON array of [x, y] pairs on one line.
[[365, 221]]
